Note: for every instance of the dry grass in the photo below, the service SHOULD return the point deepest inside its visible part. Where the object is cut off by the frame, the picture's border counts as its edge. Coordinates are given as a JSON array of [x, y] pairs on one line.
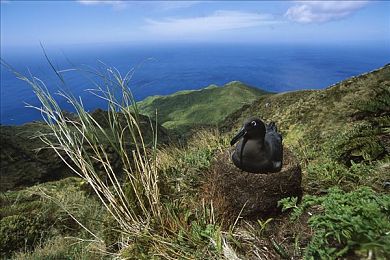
[[146, 226], [80, 144], [154, 199]]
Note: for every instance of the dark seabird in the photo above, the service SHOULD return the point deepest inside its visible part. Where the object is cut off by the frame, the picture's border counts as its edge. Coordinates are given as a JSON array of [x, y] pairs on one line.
[[260, 149]]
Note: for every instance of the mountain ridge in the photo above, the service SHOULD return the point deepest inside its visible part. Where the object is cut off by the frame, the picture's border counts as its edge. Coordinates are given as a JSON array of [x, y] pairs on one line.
[[340, 136], [186, 109]]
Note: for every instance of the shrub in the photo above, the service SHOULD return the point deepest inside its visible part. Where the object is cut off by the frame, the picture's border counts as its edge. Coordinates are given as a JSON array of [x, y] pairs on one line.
[[377, 105], [348, 223], [357, 143]]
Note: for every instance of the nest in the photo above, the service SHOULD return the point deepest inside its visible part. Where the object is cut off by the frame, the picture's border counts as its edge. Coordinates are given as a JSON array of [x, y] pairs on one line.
[[255, 195]]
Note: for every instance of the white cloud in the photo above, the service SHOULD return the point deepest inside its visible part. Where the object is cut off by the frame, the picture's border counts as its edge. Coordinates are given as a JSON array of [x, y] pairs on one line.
[[172, 5], [322, 11], [96, 2], [118, 5], [218, 21], [159, 5]]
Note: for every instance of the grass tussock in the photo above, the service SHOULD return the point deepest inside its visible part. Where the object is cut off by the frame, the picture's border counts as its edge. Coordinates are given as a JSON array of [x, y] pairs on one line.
[[148, 204], [147, 212], [79, 141]]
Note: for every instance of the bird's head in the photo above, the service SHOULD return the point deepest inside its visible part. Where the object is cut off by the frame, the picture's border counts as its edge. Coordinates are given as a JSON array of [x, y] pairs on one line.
[[253, 128]]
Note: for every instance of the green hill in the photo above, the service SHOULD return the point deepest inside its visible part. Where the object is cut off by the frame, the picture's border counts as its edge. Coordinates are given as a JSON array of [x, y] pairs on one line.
[[340, 135], [344, 124], [21, 151], [208, 106], [325, 109]]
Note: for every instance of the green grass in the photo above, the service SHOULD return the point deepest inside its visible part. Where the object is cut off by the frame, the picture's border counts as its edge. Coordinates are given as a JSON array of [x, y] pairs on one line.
[[340, 136], [141, 221], [208, 106], [347, 224], [322, 126], [37, 216]]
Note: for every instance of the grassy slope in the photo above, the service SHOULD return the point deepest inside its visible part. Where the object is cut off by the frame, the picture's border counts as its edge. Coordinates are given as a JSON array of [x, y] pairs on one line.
[[334, 122], [32, 216], [318, 112], [341, 136], [323, 110], [21, 151], [207, 106], [326, 129]]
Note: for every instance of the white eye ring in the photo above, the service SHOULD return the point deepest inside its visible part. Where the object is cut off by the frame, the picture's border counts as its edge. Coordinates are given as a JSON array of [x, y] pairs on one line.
[[253, 123]]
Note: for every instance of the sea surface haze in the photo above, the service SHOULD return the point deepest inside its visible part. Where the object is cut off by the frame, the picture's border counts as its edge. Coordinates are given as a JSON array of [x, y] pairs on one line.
[[165, 69]]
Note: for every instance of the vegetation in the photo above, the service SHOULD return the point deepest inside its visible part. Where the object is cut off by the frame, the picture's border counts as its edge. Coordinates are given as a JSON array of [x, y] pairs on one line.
[[205, 107], [142, 224], [352, 223], [40, 217], [149, 204]]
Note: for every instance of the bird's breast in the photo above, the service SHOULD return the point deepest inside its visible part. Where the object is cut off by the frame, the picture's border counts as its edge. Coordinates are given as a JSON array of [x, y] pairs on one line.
[[251, 150]]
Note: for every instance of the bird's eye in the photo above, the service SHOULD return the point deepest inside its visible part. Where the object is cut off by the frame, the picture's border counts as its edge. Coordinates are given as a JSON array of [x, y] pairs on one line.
[[253, 123]]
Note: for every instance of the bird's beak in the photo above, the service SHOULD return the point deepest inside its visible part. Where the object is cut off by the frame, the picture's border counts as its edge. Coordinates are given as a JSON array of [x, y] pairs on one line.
[[238, 136]]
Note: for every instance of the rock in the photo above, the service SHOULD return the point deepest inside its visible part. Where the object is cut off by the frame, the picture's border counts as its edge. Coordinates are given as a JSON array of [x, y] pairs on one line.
[[232, 190]]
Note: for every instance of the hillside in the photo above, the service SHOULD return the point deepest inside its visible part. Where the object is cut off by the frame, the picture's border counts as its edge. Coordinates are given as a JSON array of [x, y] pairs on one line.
[[204, 107], [329, 108], [26, 161], [340, 135], [346, 123]]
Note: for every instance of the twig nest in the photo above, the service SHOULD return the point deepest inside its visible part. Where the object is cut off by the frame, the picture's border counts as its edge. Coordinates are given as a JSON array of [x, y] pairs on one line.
[[253, 194]]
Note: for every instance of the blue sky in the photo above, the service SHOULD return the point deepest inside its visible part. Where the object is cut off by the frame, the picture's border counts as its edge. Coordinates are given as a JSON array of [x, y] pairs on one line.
[[26, 23]]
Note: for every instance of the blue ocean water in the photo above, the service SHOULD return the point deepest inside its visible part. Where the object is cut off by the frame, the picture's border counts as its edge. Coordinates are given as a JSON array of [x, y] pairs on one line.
[[165, 69]]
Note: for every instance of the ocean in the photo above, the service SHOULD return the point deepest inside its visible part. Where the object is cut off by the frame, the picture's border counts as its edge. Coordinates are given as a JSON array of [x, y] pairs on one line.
[[165, 69]]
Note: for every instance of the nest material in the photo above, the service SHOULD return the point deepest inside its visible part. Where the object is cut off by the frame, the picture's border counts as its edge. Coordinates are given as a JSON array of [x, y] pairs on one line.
[[255, 194]]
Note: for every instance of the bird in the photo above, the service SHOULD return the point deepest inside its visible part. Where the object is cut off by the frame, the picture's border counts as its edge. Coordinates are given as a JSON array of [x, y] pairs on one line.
[[260, 149]]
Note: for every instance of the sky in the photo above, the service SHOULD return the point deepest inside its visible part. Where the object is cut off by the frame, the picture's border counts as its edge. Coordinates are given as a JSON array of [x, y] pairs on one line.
[[26, 23]]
